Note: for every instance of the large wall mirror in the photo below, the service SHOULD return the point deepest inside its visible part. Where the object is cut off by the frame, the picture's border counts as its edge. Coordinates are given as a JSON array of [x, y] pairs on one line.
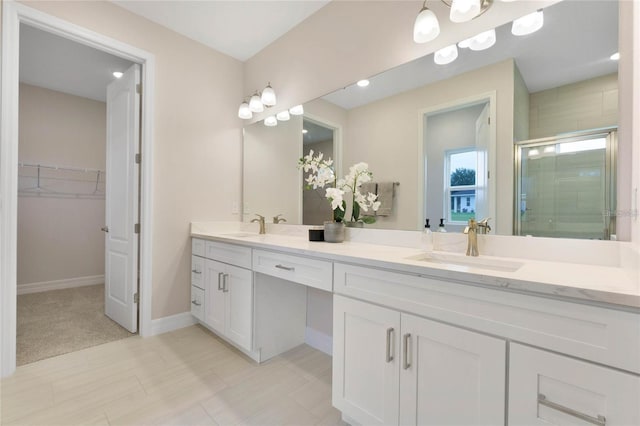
[[421, 123]]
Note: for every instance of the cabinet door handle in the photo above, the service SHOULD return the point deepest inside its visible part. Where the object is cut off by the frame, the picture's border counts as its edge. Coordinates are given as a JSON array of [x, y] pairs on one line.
[[195, 302], [195, 271], [405, 349], [220, 277], [225, 286], [286, 268], [389, 340], [600, 420]]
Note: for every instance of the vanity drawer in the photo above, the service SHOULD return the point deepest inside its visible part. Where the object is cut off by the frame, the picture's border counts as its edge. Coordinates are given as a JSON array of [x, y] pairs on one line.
[[550, 389], [197, 302], [197, 247], [303, 270], [197, 271], [228, 253], [598, 334]]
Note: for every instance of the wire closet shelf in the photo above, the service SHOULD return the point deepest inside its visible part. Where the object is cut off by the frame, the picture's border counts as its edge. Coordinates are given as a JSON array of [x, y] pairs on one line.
[[45, 180]]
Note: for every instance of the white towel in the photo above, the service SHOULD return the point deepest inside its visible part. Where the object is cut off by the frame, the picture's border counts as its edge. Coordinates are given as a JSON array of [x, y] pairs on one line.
[[385, 196], [365, 189]]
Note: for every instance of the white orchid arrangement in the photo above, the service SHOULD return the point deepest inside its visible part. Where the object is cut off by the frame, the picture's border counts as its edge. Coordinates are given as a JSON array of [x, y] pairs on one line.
[[321, 174]]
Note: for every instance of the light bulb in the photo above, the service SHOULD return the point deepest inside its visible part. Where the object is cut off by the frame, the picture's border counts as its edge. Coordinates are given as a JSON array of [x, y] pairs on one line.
[[255, 104], [268, 96], [271, 121], [464, 10], [446, 55], [426, 27], [296, 110], [283, 116], [244, 112], [483, 40], [528, 24], [363, 83]]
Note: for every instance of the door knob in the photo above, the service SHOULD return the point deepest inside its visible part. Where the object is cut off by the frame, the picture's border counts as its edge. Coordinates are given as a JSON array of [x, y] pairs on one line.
[[105, 229]]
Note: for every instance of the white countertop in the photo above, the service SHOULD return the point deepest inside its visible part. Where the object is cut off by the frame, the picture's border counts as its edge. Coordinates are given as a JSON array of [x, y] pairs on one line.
[[612, 285]]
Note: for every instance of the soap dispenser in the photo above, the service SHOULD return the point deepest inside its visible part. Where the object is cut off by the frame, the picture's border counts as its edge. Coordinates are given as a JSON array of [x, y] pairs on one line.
[[427, 237], [441, 227]]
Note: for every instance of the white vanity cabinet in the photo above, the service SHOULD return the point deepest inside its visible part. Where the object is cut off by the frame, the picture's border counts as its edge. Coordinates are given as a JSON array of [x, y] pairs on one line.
[[393, 368], [552, 389], [222, 291]]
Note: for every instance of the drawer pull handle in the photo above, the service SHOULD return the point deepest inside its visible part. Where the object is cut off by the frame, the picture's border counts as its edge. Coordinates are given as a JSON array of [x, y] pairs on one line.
[[286, 268], [405, 344], [389, 339], [220, 275], [600, 420], [225, 287], [194, 302], [195, 271]]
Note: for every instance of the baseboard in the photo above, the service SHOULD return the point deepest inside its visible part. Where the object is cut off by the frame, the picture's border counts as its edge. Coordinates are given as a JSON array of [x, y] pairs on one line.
[[60, 284], [173, 322], [319, 341]]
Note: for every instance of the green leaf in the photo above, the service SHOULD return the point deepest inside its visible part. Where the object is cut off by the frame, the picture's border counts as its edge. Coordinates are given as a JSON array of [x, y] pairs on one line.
[[356, 211], [368, 219]]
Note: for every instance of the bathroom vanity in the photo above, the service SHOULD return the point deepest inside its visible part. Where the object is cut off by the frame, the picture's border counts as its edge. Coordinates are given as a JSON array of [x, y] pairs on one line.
[[434, 339]]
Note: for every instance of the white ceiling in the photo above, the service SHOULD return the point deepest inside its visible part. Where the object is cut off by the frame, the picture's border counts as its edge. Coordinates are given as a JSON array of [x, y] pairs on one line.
[[573, 45], [238, 28], [55, 63]]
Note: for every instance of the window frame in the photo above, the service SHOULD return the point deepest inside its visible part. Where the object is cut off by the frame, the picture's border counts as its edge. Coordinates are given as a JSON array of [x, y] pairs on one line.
[[447, 183]]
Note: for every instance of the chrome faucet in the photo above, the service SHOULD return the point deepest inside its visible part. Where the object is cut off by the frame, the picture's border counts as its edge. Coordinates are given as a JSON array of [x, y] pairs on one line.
[[483, 225], [472, 241], [260, 220], [277, 219]]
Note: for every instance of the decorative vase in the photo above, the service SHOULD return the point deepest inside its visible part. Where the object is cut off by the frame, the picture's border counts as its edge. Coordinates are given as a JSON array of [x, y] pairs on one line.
[[334, 232], [354, 224]]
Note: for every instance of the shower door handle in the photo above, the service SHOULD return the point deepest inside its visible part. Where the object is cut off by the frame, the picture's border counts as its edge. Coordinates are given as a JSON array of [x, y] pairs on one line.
[[105, 229]]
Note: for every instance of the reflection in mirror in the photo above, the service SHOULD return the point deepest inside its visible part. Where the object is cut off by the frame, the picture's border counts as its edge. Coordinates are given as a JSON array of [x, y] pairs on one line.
[[318, 138], [557, 80]]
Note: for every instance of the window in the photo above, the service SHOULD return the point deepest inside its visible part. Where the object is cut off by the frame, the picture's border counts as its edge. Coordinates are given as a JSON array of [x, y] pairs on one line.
[[460, 185]]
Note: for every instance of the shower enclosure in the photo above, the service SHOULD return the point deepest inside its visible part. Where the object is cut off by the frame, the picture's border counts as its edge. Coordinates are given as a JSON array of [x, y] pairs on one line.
[[565, 186]]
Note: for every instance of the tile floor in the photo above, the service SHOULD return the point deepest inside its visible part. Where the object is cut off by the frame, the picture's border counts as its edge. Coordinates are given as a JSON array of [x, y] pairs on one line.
[[186, 377]]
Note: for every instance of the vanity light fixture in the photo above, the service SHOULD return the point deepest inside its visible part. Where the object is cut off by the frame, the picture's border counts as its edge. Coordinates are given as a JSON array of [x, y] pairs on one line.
[[257, 102], [363, 83], [283, 116], [271, 121], [296, 110], [615, 56], [244, 111], [528, 24], [426, 26], [118, 74], [446, 55]]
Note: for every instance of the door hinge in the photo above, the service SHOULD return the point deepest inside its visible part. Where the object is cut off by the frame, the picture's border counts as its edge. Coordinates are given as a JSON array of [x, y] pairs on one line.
[[488, 120], [136, 298], [136, 228], [138, 158], [139, 88], [488, 174]]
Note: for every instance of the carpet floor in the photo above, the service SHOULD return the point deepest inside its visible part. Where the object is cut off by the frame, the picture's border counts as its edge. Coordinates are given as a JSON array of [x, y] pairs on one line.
[[56, 322]]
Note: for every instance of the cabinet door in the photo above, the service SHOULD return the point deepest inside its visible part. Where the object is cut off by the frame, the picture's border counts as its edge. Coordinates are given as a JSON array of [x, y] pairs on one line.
[[238, 291], [550, 389], [365, 361], [450, 375], [214, 295]]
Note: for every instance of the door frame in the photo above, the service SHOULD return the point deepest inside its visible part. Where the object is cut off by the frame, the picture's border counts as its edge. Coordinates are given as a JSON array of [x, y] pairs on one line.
[[13, 14], [489, 97]]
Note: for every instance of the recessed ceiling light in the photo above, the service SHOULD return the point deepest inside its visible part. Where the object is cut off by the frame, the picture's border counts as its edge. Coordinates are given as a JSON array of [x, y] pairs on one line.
[[118, 74], [363, 83], [305, 131], [615, 56]]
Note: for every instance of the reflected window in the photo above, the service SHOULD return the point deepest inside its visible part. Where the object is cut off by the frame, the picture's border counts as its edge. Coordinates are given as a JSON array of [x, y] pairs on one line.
[[460, 185]]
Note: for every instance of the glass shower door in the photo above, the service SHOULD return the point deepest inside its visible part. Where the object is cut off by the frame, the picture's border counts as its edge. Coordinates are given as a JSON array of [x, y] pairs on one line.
[[566, 186]]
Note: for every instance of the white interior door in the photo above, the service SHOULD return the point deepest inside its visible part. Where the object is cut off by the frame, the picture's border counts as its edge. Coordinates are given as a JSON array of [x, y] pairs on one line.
[[482, 166], [121, 242]]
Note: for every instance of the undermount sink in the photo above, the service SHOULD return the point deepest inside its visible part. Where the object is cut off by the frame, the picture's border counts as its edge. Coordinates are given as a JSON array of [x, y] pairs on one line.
[[240, 234], [479, 262]]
